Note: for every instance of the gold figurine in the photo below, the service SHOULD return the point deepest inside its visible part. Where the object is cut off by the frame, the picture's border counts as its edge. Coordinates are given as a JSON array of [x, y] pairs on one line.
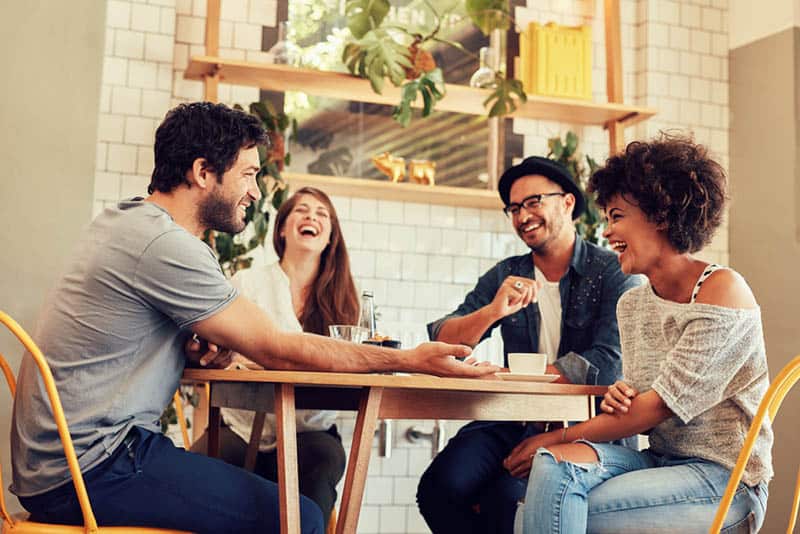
[[422, 171], [392, 166]]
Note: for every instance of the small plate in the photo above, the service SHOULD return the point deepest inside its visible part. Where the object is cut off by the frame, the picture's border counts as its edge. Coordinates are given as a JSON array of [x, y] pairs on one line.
[[527, 377]]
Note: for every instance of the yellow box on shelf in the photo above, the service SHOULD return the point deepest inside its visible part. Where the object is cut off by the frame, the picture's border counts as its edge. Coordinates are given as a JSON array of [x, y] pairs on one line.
[[556, 60]]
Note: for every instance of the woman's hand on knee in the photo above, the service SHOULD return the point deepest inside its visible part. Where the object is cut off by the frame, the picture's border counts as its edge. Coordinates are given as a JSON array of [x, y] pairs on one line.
[[618, 398]]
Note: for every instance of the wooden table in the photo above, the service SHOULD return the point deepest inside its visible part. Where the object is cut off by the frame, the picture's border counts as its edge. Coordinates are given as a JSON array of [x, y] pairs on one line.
[[375, 396]]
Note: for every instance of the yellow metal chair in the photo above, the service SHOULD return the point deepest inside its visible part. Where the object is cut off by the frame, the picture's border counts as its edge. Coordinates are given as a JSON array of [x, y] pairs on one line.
[[769, 406], [18, 524]]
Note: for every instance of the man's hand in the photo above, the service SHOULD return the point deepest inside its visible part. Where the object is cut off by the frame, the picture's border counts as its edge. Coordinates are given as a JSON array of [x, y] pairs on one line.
[[205, 354], [518, 461], [514, 293], [618, 398], [440, 359]]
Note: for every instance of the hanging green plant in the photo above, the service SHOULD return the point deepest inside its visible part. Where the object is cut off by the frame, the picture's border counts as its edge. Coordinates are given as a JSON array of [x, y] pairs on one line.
[[398, 55]]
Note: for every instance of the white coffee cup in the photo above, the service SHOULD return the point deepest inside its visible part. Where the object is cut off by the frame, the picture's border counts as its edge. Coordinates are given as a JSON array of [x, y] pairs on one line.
[[527, 363]]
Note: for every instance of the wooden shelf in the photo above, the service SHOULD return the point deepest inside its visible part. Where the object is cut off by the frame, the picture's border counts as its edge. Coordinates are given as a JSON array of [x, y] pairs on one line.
[[459, 98], [403, 191]]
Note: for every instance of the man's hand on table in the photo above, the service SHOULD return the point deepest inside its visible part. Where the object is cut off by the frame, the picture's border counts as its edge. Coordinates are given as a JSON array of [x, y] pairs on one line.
[[439, 359], [204, 354]]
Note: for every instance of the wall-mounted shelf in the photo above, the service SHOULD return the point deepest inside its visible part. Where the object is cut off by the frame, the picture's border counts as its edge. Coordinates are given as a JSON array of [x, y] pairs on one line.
[[459, 98], [403, 191]]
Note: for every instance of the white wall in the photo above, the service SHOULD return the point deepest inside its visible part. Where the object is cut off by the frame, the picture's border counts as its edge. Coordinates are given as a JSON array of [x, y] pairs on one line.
[[51, 54], [751, 21]]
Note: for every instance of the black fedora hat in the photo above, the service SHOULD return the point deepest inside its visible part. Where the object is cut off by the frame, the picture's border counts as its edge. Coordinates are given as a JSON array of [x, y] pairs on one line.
[[548, 168]]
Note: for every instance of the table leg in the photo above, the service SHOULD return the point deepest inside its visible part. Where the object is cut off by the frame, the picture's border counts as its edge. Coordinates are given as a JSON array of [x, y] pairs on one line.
[[214, 422], [358, 463], [255, 440], [286, 430]]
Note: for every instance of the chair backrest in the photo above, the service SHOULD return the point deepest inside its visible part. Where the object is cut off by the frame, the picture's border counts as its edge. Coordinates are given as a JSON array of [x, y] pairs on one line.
[[90, 524], [769, 406]]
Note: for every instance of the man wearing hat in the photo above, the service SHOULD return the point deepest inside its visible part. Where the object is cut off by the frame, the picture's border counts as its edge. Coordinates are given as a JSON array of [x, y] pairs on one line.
[[561, 300]]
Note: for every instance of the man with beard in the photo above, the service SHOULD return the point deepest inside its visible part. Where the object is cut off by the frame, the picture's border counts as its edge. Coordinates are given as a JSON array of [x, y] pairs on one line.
[[559, 300], [141, 283]]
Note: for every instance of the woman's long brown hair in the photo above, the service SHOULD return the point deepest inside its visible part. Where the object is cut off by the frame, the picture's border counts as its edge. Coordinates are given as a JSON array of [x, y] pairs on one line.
[[333, 298]]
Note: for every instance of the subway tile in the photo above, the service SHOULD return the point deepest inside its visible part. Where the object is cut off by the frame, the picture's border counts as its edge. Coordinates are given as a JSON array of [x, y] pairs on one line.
[[246, 36], [134, 185], [142, 74], [453, 241], [710, 115], [690, 15], [419, 458], [125, 100], [100, 156], [657, 35], [678, 86], [115, 70], [417, 214], [712, 19], [110, 127], [689, 111], [244, 95], [183, 7], [352, 232], [199, 8], [155, 104], [390, 212], [700, 41], [262, 13], [668, 60], [145, 18], [426, 295], [362, 263], [377, 491], [180, 56], [158, 47], [235, 10], [414, 267], [106, 186], [711, 67], [415, 524], [232, 53], [121, 158], [493, 220], [144, 160], [375, 236], [405, 490], [341, 205], [465, 270], [390, 265], [393, 519], [139, 131], [118, 14], [167, 24], [396, 464], [690, 63], [105, 98], [679, 38], [485, 264], [719, 44], [164, 77], [719, 93], [369, 519], [190, 30], [128, 44], [700, 89], [443, 216], [440, 268], [401, 238], [163, 3], [400, 293], [504, 245], [468, 218], [364, 209]]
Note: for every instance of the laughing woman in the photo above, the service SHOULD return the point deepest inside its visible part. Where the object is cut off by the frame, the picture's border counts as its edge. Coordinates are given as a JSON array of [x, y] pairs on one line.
[[694, 369], [308, 289]]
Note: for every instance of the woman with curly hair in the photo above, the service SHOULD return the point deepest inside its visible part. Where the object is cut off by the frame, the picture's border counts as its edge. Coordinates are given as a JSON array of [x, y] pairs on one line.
[[694, 369]]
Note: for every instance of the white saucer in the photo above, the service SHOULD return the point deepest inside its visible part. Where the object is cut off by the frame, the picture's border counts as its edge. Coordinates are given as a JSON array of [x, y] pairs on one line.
[[527, 377]]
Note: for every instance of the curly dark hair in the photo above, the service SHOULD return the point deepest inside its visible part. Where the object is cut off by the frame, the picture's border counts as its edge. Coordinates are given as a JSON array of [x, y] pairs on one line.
[[214, 132], [673, 181]]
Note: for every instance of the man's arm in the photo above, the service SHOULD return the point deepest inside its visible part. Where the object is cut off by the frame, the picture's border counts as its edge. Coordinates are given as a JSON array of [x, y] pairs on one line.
[[245, 328], [600, 363]]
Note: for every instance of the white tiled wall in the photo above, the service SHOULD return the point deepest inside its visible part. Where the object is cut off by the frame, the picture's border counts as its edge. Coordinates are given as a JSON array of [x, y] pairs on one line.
[[675, 60]]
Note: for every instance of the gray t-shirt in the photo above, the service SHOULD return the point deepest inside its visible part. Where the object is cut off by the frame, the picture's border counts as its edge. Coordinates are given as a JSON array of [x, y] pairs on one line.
[[709, 365], [113, 333]]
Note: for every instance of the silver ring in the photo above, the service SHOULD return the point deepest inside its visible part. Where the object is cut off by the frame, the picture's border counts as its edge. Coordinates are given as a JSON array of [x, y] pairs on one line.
[[518, 284]]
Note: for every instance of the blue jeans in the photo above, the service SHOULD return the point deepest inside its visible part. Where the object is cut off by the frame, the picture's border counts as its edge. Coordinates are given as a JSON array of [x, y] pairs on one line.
[[630, 491], [149, 482], [469, 475]]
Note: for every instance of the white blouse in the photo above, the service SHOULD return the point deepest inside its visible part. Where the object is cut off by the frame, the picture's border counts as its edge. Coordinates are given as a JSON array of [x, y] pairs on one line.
[[268, 287]]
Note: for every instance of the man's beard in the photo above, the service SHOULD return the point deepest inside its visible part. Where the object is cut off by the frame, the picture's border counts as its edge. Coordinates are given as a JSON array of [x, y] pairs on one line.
[[218, 214]]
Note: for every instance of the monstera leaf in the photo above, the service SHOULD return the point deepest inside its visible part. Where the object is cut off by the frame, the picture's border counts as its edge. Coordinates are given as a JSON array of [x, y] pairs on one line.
[[365, 15], [489, 15], [504, 96], [430, 85], [377, 56]]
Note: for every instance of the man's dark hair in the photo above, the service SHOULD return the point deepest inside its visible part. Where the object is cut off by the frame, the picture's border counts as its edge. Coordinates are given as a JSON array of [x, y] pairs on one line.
[[673, 181], [214, 132]]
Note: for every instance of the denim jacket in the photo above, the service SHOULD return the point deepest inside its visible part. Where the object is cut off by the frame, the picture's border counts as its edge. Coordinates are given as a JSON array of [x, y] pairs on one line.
[[589, 351]]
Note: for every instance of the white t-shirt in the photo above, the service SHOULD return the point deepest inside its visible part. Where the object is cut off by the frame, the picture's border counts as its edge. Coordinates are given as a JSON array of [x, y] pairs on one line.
[[549, 300], [268, 287]]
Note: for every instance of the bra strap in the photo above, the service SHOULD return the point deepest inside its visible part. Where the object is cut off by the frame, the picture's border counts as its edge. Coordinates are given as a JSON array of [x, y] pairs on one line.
[[706, 273]]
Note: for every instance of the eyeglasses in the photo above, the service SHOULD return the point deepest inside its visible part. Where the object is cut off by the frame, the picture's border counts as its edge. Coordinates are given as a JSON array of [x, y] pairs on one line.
[[531, 203]]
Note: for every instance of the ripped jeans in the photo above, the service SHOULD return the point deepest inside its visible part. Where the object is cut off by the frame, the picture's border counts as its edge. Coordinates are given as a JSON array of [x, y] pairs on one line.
[[629, 491]]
